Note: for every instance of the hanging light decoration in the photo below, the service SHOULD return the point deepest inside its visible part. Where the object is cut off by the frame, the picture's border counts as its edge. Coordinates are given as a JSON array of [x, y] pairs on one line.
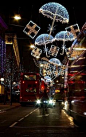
[[44, 39], [64, 36], [52, 8], [55, 61], [31, 29], [56, 12], [53, 50], [74, 29], [36, 52]]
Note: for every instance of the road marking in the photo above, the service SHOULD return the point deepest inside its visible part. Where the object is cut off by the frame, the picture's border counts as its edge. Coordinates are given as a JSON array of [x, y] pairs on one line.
[[23, 118], [27, 115], [13, 124], [69, 118]]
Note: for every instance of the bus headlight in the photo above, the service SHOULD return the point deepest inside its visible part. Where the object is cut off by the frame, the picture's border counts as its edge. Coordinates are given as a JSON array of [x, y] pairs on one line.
[[50, 101], [38, 101]]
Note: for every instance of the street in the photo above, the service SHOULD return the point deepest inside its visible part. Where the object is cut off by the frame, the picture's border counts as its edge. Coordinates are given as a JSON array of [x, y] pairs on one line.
[[29, 121]]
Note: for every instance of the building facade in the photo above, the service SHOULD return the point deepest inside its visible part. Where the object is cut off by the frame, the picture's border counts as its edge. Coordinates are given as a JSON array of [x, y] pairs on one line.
[[3, 28], [12, 58]]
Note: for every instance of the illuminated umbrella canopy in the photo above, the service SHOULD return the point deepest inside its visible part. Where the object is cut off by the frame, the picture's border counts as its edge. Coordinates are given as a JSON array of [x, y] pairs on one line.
[[56, 67], [55, 61], [43, 39], [47, 79], [55, 10], [64, 36]]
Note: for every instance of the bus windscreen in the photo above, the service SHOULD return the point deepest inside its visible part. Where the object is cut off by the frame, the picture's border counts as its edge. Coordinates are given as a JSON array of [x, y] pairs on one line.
[[29, 77]]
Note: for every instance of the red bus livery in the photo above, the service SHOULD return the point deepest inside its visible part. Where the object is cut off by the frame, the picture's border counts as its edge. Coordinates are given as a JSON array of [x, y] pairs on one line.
[[31, 88]]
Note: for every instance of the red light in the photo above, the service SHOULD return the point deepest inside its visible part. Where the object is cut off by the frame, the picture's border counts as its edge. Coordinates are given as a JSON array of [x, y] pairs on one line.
[[71, 82], [23, 82], [83, 73], [36, 82], [42, 87]]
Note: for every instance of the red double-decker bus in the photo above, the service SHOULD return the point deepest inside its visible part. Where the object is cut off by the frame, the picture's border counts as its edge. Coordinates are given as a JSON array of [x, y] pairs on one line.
[[31, 88], [75, 80]]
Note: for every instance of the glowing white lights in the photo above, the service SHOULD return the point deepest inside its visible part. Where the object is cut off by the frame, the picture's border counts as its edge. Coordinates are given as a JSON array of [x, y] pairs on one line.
[[56, 10], [36, 52], [17, 17], [31, 29], [64, 36], [38, 101], [1, 79], [74, 29]]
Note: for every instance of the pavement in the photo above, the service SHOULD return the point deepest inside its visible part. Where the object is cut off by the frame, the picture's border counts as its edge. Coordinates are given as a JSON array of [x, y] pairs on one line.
[[8, 106]]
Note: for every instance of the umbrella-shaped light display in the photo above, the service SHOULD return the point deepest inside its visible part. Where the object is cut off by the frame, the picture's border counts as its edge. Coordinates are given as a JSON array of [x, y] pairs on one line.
[[44, 39], [47, 79], [53, 9], [64, 36], [56, 66], [56, 12], [55, 61]]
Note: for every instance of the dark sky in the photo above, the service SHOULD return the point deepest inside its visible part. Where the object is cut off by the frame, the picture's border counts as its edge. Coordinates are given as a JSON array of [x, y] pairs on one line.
[[30, 11]]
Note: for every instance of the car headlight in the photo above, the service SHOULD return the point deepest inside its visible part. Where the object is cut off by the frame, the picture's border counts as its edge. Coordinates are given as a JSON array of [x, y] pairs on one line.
[[38, 101]]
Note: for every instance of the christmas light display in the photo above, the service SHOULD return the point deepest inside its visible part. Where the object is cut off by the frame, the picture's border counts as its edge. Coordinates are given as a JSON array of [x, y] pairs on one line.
[[56, 12], [51, 67], [47, 79], [31, 29], [55, 61], [2, 56], [44, 39], [74, 29], [44, 67], [36, 52], [53, 50], [64, 36]]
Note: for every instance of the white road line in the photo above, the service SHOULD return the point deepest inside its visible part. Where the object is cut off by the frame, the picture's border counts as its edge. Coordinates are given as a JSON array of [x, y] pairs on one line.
[[27, 115], [23, 118], [13, 124]]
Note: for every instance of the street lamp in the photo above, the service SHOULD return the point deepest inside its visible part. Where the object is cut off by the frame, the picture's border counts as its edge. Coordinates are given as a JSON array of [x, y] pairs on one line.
[[17, 17], [2, 79], [32, 46]]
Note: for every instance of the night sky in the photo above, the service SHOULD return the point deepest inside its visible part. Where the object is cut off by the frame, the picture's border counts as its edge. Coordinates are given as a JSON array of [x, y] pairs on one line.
[[30, 11]]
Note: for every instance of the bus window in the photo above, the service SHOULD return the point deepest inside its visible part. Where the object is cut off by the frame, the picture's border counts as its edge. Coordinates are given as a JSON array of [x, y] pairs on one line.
[[29, 77]]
